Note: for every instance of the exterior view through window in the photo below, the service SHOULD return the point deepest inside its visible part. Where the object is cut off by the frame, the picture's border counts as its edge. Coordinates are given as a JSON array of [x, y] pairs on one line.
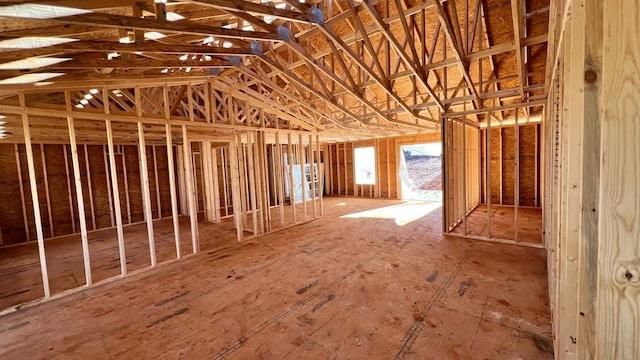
[[421, 171], [365, 165]]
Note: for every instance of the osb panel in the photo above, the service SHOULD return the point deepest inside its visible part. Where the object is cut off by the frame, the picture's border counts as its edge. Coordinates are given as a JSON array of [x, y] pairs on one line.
[[508, 165], [528, 171], [122, 189], [99, 186], [58, 189], [153, 195], [162, 163], [88, 211], [495, 161], [133, 179], [11, 220]]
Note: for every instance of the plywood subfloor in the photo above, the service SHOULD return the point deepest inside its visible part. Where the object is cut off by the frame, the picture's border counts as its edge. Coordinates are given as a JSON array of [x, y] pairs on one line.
[[502, 223], [378, 283]]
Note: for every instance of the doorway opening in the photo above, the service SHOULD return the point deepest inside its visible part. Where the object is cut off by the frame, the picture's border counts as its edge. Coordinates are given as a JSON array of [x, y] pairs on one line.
[[421, 171]]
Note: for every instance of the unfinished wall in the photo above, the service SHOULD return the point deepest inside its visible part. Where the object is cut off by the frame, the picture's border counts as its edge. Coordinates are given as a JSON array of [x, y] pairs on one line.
[[503, 165], [592, 178], [461, 172], [339, 172], [56, 190]]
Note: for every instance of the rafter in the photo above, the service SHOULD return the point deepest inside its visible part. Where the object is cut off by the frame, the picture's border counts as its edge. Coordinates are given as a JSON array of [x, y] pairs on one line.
[[517, 32], [420, 75], [454, 39]]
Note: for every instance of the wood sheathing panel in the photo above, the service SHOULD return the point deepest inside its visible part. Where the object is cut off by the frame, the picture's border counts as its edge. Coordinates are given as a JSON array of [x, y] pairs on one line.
[[58, 189], [133, 180], [528, 165], [62, 196], [503, 166], [508, 165], [162, 164], [99, 187], [495, 165], [11, 220], [152, 182]]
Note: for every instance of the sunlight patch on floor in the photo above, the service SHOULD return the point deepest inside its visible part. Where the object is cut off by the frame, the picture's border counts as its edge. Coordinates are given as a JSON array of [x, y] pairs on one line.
[[402, 214]]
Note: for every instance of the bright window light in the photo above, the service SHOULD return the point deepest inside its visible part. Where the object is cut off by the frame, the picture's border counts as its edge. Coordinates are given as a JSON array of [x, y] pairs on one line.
[[33, 42], [79, 106], [365, 165], [171, 16], [281, 6], [160, 1], [113, 55], [208, 40], [188, 69], [228, 26], [227, 44], [30, 78], [269, 19], [88, 96], [154, 35], [184, 57], [36, 11], [94, 91], [84, 101], [31, 63], [164, 71], [248, 28]]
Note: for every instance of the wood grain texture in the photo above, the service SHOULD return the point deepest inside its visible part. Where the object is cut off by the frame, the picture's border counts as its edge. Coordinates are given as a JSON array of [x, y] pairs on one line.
[[619, 227]]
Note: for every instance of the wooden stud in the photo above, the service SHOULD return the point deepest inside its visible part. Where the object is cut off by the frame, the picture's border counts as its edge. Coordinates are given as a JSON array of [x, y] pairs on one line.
[[235, 187], [516, 187], [303, 174], [116, 196], [252, 180], [388, 168], [46, 189], [79, 195], [155, 175], [292, 192], [172, 188], [216, 185], [488, 172], [279, 179], [126, 186], [22, 198], [91, 206], [190, 193], [146, 192], [182, 186], [320, 178], [66, 168], [346, 171], [224, 156], [312, 165], [35, 201], [107, 177]]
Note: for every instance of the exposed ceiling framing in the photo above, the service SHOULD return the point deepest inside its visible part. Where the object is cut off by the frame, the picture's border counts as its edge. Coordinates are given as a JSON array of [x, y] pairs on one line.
[[348, 68]]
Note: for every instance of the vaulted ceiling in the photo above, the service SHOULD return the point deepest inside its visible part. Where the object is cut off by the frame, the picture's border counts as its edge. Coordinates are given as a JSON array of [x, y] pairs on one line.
[[345, 68]]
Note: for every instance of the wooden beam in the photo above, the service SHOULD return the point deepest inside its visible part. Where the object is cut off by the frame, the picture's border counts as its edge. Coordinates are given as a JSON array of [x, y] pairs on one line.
[[116, 193], [146, 193], [458, 51], [190, 189], [35, 201], [181, 27], [79, 195], [399, 49], [517, 33], [258, 9]]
